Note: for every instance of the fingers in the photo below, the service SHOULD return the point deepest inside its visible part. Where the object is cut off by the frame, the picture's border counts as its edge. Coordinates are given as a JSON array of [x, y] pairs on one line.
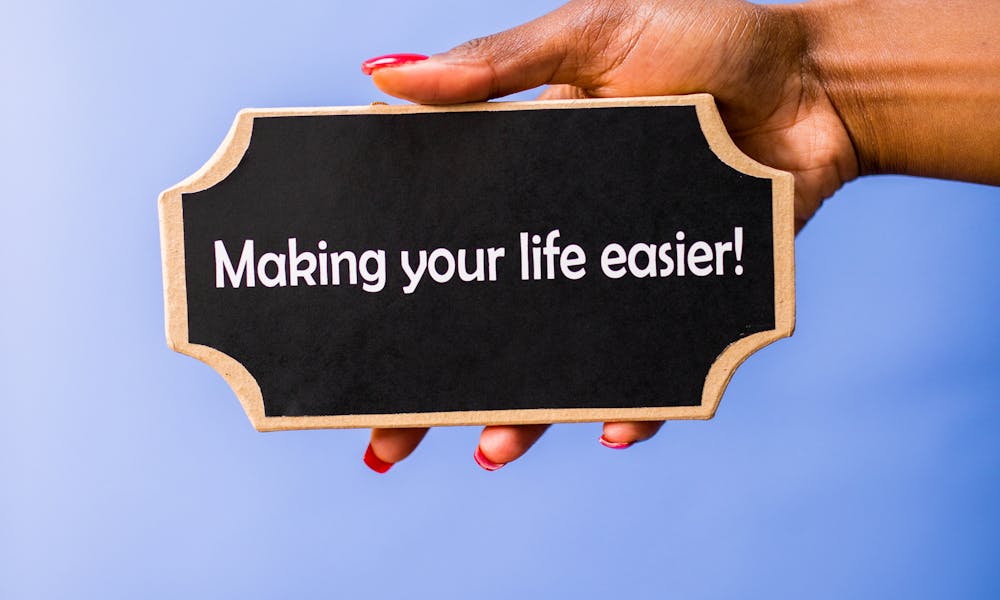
[[564, 46], [500, 444], [389, 446], [619, 436]]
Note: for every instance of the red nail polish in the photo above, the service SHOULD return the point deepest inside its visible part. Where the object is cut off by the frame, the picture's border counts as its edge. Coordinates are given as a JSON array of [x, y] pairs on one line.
[[375, 463], [614, 445], [484, 462], [389, 60]]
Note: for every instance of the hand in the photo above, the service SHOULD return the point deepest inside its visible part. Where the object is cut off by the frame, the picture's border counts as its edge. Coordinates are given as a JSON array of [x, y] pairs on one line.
[[771, 70], [751, 58]]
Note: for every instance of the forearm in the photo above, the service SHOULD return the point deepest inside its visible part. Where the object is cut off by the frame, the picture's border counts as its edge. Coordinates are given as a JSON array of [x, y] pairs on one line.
[[917, 84]]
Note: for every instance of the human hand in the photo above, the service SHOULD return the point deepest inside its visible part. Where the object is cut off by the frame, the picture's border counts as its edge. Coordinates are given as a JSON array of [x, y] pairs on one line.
[[813, 89], [751, 58]]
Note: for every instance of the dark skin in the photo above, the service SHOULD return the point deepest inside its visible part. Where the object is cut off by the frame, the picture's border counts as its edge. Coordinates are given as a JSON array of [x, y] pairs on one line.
[[827, 90]]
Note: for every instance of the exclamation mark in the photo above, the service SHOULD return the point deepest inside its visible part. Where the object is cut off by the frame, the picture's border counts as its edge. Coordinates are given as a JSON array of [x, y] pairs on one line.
[[738, 248]]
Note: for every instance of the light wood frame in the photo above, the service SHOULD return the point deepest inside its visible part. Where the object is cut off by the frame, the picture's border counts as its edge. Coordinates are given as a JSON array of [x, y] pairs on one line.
[[229, 154]]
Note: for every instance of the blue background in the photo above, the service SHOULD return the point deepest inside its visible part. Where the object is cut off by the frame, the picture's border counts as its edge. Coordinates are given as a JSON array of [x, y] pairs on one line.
[[860, 458]]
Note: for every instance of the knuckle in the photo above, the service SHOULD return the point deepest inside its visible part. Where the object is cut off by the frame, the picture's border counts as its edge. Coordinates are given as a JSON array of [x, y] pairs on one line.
[[491, 48], [471, 47]]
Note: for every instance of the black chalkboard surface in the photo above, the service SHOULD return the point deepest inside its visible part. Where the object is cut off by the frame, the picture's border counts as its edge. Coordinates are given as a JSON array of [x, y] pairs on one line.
[[491, 263]]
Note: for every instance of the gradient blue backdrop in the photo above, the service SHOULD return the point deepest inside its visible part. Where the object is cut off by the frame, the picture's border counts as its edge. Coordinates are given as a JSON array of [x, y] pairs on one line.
[[861, 458]]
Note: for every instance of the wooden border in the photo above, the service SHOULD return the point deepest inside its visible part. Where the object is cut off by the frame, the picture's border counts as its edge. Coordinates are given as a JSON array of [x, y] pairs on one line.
[[229, 154]]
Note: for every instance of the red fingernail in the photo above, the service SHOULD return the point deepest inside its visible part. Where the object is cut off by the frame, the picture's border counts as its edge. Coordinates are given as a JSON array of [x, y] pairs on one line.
[[614, 445], [375, 463], [484, 462], [389, 60]]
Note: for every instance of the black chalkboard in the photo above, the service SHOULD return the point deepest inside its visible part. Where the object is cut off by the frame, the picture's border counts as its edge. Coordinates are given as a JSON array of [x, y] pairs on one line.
[[493, 263]]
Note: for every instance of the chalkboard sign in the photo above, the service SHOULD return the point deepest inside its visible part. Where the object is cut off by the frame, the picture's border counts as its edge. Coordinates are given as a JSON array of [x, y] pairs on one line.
[[582, 260]]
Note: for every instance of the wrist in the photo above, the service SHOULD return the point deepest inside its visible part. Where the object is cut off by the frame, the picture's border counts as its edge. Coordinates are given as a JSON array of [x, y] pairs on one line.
[[916, 87], [850, 77]]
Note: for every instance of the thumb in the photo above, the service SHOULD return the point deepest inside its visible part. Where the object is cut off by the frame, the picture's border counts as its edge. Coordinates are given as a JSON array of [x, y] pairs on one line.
[[555, 48]]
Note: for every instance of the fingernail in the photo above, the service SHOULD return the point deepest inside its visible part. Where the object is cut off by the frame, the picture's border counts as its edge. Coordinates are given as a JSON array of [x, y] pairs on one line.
[[375, 463], [484, 462], [614, 445], [389, 60]]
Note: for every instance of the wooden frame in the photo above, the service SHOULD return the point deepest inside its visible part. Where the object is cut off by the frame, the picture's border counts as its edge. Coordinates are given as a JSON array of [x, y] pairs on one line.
[[229, 154]]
